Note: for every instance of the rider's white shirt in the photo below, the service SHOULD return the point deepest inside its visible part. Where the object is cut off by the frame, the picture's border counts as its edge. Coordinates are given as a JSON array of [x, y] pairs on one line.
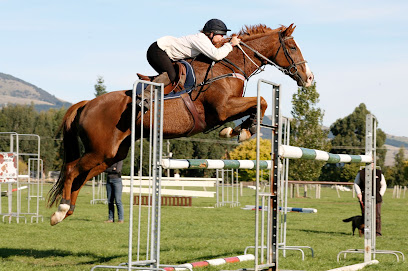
[[191, 46]]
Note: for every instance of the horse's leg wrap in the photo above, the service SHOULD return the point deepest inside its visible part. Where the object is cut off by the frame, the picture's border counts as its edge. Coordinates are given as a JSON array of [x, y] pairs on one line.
[[71, 210], [59, 215], [65, 201]]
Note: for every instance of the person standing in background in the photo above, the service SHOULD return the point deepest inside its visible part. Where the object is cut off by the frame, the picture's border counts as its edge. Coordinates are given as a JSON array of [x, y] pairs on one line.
[[381, 186], [114, 191]]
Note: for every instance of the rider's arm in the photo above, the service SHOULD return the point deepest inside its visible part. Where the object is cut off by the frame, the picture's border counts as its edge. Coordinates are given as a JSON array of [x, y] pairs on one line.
[[203, 44]]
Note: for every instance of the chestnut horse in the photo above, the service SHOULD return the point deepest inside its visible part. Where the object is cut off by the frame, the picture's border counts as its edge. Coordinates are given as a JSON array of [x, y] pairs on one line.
[[103, 124]]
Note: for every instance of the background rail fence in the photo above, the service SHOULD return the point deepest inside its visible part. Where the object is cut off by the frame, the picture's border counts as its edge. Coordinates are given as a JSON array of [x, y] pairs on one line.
[[398, 190], [21, 192], [294, 188]]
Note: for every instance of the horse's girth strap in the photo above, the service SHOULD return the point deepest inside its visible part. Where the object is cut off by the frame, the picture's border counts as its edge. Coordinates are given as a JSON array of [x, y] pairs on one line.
[[198, 123]]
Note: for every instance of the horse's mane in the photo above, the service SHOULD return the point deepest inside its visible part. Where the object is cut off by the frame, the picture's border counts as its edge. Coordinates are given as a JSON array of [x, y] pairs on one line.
[[254, 31]]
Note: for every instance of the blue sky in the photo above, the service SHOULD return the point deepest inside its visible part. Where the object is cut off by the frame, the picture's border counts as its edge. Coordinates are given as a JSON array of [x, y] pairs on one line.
[[357, 50]]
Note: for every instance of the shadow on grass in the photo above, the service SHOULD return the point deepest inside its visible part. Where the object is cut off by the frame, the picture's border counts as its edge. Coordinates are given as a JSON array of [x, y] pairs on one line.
[[38, 254], [324, 232], [79, 219]]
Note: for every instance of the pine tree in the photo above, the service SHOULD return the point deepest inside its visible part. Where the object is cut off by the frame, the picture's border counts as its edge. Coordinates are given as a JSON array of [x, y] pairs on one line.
[[100, 88]]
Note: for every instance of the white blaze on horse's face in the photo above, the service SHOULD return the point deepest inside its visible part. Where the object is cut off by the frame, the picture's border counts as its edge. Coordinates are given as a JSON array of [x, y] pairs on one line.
[[309, 74]]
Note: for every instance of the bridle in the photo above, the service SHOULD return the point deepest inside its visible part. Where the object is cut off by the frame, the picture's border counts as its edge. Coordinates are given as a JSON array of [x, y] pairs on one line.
[[290, 70]]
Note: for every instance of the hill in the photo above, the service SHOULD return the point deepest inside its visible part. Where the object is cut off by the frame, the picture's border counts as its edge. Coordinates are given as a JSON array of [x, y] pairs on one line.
[[397, 141], [16, 91], [391, 152]]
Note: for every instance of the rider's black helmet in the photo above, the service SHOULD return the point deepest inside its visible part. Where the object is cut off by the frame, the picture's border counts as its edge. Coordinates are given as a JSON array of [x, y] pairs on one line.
[[215, 26]]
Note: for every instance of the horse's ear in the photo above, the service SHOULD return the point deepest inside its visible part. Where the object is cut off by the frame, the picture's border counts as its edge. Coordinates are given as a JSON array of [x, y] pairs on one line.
[[288, 31]]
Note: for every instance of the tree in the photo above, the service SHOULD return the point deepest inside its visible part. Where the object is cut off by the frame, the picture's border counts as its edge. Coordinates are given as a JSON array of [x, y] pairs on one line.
[[306, 131], [247, 151], [406, 170], [399, 168], [100, 88], [349, 138], [350, 132], [24, 119]]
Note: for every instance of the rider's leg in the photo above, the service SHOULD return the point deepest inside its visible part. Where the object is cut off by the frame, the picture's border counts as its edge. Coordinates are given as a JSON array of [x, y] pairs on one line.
[[160, 61], [162, 64]]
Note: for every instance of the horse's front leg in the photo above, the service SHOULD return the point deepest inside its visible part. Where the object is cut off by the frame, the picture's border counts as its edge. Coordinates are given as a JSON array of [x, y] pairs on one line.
[[239, 107]]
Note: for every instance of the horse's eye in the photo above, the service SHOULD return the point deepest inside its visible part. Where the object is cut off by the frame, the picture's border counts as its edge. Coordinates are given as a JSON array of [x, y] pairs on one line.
[[293, 49]]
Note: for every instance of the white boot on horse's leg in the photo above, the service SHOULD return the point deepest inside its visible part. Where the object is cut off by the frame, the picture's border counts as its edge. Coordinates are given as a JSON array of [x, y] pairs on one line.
[[59, 215], [226, 132], [244, 135]]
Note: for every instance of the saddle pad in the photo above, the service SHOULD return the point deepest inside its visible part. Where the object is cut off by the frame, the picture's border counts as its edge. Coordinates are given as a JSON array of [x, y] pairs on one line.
[[188, 85]]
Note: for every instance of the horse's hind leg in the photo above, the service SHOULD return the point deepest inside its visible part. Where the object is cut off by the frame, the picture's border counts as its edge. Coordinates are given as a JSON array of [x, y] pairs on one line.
[[86, 168], [68, 174], [80, 181], [72, 171]]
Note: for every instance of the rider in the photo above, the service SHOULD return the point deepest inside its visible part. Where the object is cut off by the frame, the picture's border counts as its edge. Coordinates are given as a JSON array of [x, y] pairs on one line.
[[162, 53]]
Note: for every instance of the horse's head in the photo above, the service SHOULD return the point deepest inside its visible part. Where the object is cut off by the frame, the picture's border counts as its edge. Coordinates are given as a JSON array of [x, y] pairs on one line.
[[289, 57]]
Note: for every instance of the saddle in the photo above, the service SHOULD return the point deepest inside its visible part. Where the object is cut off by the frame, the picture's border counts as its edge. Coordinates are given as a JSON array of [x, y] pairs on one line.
[[181, 74], [185, 84]]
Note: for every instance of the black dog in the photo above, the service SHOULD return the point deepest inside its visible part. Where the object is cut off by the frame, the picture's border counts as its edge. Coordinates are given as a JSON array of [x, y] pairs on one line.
[[357, 223]]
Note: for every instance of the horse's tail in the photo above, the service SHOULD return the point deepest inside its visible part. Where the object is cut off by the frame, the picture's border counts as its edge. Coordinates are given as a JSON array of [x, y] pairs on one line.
[[71, 149]]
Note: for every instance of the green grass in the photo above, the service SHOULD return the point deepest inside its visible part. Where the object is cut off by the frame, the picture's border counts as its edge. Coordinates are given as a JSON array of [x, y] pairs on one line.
[[191, 234]]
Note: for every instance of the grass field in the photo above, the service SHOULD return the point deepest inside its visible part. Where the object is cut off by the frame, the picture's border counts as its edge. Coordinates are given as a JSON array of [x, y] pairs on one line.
[[191, 234]]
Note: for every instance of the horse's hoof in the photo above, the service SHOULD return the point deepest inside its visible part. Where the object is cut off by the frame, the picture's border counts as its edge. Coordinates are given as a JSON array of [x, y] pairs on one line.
[[54, 220], [244, 135], [226, 132], [59, 215]]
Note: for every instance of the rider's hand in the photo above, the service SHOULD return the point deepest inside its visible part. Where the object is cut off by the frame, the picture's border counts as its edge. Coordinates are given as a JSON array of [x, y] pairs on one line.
[[234, 40]]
